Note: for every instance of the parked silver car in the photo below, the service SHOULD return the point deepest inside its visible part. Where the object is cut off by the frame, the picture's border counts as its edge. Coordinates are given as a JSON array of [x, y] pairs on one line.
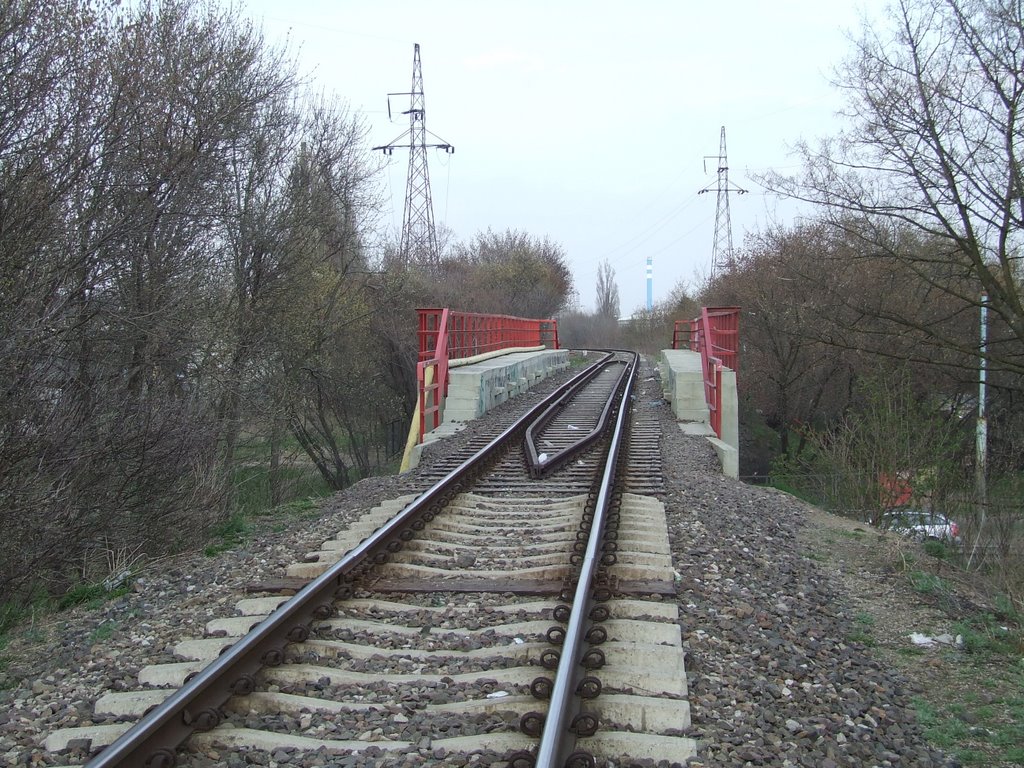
[[921, 525]]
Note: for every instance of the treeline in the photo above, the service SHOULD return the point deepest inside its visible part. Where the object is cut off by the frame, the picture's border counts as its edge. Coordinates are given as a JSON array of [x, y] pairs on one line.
[[182, 255], [861, 325], [192, 284], [860, 383]]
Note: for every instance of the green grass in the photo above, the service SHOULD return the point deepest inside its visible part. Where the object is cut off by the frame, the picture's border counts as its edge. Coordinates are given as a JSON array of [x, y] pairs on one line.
[[4, 662], [927, 583], [1006, 610], [979, 734], [252, 501], [984, 634], [252, 487], [941, 727], [230, 534], [92, 595], [861, 633], [856, 533], [940, 549], [977, 712], [861, 636], [911, 650], [103, 632], [864, 619], [303, 486], [781, 484], [11, 614], [579, 360]]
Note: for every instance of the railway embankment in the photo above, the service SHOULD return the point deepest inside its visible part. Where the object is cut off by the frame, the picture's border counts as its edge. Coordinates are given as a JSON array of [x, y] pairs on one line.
[[775, 672]]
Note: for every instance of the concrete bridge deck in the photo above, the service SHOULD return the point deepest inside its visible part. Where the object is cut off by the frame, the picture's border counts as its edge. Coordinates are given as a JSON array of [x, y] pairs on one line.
[[477, 386]]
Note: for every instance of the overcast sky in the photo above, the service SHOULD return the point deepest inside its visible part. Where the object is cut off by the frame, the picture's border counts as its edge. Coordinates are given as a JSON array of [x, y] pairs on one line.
[[588, 122]]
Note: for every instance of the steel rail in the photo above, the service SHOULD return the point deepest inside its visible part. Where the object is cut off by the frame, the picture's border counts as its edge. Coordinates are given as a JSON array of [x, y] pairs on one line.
[[153, 740], [564, 704], [540, 466]]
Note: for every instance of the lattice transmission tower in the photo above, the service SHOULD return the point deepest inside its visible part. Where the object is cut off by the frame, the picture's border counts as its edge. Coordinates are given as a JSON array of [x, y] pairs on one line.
[[419, 238], [721, 252]]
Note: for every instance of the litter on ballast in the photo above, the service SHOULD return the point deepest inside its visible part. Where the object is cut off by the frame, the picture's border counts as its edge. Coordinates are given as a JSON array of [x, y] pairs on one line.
[[927, 641]]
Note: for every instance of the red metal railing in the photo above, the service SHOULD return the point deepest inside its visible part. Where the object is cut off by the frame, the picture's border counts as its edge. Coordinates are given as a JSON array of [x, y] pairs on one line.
[[448, 335], [715, 334]]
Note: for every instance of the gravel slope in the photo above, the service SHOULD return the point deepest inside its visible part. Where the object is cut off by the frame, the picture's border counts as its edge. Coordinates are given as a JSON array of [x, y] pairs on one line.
[[772, 679]]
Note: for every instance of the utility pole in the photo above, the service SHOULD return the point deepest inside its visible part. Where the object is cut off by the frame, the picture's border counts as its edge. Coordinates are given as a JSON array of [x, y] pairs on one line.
[[981, 432], [721, 253], [650, 284], [419, 238]]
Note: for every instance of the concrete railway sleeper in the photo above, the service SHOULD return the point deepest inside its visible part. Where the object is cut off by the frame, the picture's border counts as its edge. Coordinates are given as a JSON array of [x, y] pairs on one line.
[[523, 628]]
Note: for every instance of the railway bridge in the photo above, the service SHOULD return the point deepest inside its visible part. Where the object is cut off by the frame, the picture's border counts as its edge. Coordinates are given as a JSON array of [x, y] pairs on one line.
[[567, 579], [469, 363]]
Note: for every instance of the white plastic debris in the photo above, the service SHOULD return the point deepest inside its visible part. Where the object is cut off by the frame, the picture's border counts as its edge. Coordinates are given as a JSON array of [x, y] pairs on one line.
[[115, 580], [926, 641], [518, 641], [497, 695], [542, 458], [573, 427]]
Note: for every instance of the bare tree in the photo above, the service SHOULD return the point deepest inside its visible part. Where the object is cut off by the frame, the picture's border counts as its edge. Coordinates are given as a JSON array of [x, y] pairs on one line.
[[509, 273], [103, 248], [607, 303], [891, 448], [174, 211], [790, 374], [818, 317], [934, 150]]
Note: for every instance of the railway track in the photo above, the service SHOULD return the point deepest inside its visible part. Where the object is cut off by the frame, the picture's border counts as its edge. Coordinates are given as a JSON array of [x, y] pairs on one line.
[[510, 613]]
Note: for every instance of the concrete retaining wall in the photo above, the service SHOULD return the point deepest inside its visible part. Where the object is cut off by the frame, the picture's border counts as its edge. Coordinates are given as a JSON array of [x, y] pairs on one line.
[[475, 389], [683, 386]]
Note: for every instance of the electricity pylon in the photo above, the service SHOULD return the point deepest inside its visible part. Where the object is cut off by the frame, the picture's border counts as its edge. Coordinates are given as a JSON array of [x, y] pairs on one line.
[[721, 252], [419, 239]]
